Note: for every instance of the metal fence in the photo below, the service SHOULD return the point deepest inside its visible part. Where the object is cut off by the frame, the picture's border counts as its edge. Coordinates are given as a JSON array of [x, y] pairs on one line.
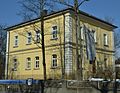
[[25, 87]]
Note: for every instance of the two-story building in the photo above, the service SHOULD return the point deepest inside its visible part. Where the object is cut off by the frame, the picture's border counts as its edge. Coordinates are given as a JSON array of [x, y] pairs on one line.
[[24, 52]]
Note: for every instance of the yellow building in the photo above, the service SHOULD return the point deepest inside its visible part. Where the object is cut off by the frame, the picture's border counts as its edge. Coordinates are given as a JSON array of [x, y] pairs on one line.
[[24, 52]]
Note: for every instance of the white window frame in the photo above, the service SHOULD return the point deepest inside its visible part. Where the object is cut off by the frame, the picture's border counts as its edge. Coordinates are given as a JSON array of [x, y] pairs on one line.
[[95, 36], [54, 32], [37, 36], [16, 40], [82, 32], [29, 38], [28, 63], [14, 64], [54, 61], [37, 62], [105, 39]]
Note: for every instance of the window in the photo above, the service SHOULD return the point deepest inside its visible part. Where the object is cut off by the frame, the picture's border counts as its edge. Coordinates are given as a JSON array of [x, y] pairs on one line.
[[54, 32], [14, 64], [37, 62], [105, 39], [94, 34], [16, 41], [28, 63], [54, 60], [29, 38], [82, 32], [37, 37], [105, 63]]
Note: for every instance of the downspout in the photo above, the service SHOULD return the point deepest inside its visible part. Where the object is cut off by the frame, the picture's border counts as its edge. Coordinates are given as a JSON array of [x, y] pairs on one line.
[[64, 47], [7, 55]]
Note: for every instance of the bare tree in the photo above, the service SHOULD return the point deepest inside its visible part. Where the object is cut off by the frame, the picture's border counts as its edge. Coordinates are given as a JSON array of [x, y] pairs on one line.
[[2, 49], [32, 8]]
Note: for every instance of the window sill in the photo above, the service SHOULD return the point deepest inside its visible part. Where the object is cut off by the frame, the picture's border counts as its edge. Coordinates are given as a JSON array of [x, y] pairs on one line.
[[14, 69], [96, 43], [36, 68], [36, 42], [28, 43], [106, 45], [28, 69], [15, 46], [54, 38], [56, 67]]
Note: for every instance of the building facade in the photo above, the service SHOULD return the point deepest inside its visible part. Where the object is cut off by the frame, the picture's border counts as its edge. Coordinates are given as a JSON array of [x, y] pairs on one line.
[[24, 51]]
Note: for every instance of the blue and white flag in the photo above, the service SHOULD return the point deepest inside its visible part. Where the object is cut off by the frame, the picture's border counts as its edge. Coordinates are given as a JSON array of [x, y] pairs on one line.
[[90, 45]]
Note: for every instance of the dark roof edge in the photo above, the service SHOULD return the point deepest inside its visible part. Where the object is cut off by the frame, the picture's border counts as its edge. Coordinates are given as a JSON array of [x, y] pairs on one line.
[[63, 11], [36, 19], [96, 18]]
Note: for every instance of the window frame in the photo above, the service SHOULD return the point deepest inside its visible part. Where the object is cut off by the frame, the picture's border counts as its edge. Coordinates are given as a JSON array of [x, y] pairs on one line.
[[37, 36], [37, 62], [29, 38], [54, 32], [54, 61], [95, 36], [15, 61], [105, 39], [28, 63], [16, 41], [82, 32]]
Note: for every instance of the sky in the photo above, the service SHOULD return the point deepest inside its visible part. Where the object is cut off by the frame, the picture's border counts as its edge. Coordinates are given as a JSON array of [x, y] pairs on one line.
[[99, 8]]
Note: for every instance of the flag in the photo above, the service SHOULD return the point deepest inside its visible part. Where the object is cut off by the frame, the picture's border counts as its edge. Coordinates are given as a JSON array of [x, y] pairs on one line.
[[90, 45]]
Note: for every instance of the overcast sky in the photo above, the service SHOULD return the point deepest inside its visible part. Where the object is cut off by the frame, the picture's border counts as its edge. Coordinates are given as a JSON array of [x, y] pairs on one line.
[[98, 8]]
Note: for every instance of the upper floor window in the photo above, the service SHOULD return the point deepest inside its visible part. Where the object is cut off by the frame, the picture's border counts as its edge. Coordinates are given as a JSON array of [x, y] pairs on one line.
[[28, 63], [82, 32], [37, 37], [14, 64], [37, 62], [29, 38], [94, 35], [105, 39], [54, 60], [54, 32], [16, 41]]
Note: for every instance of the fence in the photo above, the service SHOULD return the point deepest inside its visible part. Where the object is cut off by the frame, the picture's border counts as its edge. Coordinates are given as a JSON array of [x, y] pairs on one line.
[[25, 86]]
